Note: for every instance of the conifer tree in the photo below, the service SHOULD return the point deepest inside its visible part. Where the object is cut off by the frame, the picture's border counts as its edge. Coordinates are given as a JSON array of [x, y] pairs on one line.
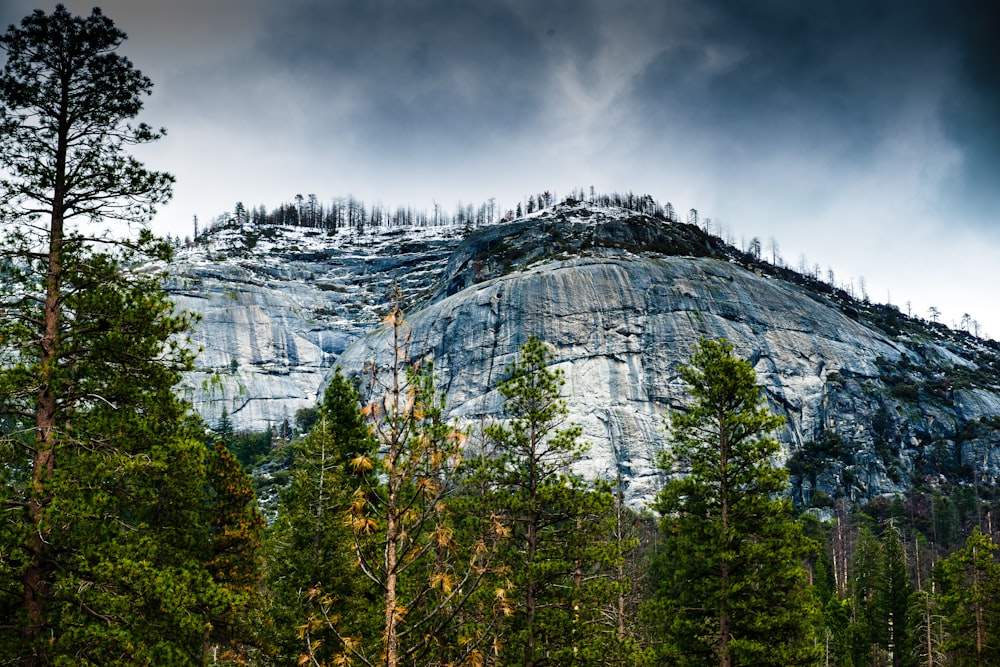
[[423, 570], [310, 550], [970, 601], [867, 576], [235, 556], [730, 584], [562, 554], [894, 592], [105, 541]]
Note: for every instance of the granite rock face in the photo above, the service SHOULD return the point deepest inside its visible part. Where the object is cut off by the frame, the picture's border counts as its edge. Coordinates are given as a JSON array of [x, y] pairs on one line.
[[874, 402], [278, 305]]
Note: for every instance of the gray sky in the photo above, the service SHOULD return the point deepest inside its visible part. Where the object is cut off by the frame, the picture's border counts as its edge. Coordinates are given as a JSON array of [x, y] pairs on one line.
[[863, 134]]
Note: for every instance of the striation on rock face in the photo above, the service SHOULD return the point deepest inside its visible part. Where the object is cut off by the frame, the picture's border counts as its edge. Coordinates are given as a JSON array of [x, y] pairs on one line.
[[622, 312], [875, 402], [277, 305], [619, 328]]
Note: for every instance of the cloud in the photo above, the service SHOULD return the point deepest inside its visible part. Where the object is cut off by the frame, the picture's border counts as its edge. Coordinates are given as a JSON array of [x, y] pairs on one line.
[[853, 132]]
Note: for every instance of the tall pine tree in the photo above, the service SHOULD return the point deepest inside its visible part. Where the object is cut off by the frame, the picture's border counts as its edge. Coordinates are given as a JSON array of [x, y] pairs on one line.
[[970, 602], [105, 545], [310, 548], [425, 571], [730, 582], [562, 555]]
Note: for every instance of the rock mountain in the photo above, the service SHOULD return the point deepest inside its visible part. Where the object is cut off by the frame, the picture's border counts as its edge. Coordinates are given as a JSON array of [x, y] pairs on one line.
[[875, 402]]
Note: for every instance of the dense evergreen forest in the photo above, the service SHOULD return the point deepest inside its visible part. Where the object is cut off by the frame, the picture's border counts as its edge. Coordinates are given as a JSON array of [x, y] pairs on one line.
[[131, 532]]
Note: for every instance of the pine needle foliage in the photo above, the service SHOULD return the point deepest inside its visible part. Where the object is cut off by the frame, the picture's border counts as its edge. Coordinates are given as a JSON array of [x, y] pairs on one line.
[[562, 557], [104, 551], [730, 582]]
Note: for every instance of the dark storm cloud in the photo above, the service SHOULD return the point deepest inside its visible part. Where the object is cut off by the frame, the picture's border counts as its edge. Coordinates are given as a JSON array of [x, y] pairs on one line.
[[413, 73], [972, 113], [863, 133], [812, 73], [833, 79]]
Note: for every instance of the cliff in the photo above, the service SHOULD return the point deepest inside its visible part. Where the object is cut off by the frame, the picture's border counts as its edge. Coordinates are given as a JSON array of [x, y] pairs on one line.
[[875, 403]]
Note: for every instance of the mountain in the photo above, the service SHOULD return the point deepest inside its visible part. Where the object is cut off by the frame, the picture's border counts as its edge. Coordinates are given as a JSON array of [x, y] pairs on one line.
[[875, 402]]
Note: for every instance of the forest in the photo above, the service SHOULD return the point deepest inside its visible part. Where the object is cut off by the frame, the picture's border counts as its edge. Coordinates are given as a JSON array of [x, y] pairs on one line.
[[131, 531]]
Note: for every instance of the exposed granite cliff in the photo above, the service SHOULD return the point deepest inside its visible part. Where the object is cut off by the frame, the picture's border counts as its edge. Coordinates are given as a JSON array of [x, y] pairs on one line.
[[874, 402], [278, 304]]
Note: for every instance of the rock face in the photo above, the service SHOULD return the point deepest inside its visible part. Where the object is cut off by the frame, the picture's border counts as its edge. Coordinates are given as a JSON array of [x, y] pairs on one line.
[[278, 305], [875, 402]]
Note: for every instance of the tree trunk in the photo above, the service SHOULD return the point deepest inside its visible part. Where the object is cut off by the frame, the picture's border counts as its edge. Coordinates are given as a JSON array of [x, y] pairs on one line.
[[37, 576], [532, 538], [391, 632], [724, 630]]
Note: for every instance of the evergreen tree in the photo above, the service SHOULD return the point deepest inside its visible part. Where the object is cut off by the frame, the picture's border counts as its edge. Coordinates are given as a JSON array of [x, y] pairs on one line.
[[970, 601], [867, 575], [562, 555], [894, 592], [235, 555], [104, 551], [311, 545], [425, 572], [224, 429], [730, 581], [123, 534]]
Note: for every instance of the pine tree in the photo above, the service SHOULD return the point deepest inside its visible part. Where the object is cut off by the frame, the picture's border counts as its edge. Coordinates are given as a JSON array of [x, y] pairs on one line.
[[235, 555], [894, 592], [867, 574], [105, 538], [970, 591], [124, 535], [562, 554], [424, 570], [310, 549], [730, 580]]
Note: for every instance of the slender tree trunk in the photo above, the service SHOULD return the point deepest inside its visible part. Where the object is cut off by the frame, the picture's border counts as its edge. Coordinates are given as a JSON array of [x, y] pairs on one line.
[[530, 602], [929, 638], [391, 632], [392, 529], [620, 537], [320, 503], [980, 630], [724, 619], [38, 573]]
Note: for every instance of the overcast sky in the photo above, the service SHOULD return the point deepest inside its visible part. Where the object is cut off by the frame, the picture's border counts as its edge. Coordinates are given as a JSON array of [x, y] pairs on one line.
[[862, 134]]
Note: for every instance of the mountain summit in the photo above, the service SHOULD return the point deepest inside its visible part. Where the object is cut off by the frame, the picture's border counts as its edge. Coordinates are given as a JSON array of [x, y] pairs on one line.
[[874, 402]]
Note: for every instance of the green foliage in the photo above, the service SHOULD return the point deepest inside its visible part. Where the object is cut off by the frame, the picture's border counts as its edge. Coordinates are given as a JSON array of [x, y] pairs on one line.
[[105, 548], [880, 592], [310, 547], [730, 586], [122, 510], [970, 602], [562, 553], [423, 561], [224, 429], [65, 93], [249, 446], [235, 554]]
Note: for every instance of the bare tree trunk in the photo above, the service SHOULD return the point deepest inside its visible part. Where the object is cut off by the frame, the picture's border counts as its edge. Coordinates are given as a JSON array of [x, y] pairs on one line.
[[38, 573]]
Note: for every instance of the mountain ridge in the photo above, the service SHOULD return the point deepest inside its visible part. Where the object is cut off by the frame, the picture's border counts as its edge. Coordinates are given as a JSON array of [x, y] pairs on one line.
[[833, 365]]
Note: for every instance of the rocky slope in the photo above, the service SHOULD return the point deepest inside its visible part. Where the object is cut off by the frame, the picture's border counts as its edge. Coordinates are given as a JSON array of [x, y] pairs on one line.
[[278, 304], [875, 403]]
